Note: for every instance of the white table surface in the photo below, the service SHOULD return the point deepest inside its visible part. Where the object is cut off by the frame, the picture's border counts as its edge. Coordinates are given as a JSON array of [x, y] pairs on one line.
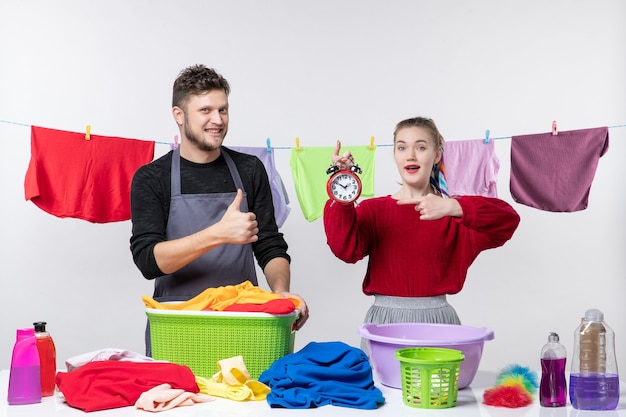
[[469, 404]]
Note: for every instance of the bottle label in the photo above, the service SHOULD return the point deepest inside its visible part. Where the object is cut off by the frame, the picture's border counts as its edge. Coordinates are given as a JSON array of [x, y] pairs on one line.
[[593, 348]]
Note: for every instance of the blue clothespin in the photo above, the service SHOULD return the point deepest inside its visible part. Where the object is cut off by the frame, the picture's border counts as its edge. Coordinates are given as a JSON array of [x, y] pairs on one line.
[[487, 133], [269, 148]]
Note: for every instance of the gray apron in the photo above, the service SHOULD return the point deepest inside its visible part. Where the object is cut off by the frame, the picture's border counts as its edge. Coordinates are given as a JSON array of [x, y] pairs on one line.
[[229, 264]]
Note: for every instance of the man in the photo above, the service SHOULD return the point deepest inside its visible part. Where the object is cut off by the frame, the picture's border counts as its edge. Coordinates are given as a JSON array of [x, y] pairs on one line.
[[202, 212]]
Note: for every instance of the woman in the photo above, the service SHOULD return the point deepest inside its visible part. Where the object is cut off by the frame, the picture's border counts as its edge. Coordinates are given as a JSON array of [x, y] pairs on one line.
[[420, 243]]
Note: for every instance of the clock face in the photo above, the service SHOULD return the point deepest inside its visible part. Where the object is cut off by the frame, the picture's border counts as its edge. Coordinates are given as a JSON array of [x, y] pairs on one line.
[[344, 187]]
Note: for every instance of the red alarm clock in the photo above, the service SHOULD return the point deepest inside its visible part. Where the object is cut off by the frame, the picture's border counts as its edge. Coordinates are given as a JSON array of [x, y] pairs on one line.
[[344, 185]]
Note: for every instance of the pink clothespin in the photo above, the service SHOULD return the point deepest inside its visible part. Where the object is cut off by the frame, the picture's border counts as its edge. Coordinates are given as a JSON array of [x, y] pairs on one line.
[[175, 145], [554, 130]]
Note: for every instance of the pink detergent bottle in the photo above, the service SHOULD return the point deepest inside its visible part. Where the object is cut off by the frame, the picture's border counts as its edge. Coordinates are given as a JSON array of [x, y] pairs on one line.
[[24, 377]]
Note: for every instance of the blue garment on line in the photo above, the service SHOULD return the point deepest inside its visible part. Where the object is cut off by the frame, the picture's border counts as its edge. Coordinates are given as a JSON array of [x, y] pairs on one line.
[[322, 373]]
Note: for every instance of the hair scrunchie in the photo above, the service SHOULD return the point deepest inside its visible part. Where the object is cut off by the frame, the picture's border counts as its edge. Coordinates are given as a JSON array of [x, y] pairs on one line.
[[438, 178]]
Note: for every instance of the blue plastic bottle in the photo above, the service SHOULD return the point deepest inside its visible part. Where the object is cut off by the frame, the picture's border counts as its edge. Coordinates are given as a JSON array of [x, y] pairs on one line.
[[594, 381], [24, 377]]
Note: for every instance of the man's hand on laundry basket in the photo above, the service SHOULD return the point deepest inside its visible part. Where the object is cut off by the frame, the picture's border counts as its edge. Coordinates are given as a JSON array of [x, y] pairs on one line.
[[303, 308]]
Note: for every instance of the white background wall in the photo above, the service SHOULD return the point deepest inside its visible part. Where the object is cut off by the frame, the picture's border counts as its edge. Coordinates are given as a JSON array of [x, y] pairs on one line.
[[320, 71]]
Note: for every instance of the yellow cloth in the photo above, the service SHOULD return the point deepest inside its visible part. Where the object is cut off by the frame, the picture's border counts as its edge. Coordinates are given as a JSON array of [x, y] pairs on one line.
[[217, 299], [233, 382], [232, 371]]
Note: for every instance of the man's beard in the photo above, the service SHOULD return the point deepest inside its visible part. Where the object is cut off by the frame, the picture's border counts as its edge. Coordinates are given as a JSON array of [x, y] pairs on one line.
[[198, 142]]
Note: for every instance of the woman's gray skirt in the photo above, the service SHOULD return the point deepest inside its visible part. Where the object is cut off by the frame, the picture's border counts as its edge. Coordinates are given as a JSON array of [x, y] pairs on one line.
[[388, 309]]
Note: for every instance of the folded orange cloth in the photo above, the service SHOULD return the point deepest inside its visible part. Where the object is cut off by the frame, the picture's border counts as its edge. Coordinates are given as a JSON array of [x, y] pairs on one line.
[[217, 299], [164, 397]]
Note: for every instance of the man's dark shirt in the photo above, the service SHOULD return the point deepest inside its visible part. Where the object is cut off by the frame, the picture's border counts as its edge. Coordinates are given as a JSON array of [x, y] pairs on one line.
[[150, 203]]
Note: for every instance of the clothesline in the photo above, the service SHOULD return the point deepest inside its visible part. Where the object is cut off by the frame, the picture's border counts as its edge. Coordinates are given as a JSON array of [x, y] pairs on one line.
[[128, 158], [290, 147], [486, 138]]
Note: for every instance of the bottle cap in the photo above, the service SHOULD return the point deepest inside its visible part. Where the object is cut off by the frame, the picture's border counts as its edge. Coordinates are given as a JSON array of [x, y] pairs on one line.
[[553, 337], [594, 315], [40, 326]]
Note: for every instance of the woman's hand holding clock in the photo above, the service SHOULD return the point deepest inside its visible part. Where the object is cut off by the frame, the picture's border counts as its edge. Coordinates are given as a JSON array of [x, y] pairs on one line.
[[344, 185], [344, 161]]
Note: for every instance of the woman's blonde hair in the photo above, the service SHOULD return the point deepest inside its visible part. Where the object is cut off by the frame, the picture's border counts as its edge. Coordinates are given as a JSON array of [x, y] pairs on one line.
[[426, 123]]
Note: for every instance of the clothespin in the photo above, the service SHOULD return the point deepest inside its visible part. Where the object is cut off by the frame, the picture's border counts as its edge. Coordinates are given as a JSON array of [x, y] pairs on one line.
[[88, 133], [297, 144], [269, 148], [554, 130], [371, 147], [175, 142], [487, 133]]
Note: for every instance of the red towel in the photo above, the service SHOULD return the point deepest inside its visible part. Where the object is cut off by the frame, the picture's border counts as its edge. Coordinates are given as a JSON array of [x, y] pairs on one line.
[[103, 385], [69, 176], [277, 306]]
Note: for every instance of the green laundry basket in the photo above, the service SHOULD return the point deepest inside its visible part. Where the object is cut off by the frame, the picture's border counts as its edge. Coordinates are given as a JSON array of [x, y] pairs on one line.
[[199, 339], [430, 376]]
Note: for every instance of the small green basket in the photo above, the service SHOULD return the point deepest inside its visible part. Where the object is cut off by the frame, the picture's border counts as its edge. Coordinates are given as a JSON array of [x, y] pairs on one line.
[[430, 376], [199, 339]]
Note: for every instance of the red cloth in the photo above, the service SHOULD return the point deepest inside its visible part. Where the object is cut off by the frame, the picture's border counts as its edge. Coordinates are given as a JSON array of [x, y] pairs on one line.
[[103, 385], [69, 176], [277, 306], [409, 257]]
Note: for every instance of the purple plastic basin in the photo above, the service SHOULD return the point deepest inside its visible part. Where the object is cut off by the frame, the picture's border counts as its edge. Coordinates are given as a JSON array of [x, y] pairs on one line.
[[385, 339]]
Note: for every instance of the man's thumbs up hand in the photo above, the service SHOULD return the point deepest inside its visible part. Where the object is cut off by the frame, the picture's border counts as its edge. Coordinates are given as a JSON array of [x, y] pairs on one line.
[[239, 227]]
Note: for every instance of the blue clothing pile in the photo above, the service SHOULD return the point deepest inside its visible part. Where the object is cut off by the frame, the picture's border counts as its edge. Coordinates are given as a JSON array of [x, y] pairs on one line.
[[322, 373]]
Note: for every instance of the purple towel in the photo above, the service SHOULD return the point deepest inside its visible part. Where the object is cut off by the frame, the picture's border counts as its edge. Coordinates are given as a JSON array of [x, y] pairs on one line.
[[554, 173], [279, 193]]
